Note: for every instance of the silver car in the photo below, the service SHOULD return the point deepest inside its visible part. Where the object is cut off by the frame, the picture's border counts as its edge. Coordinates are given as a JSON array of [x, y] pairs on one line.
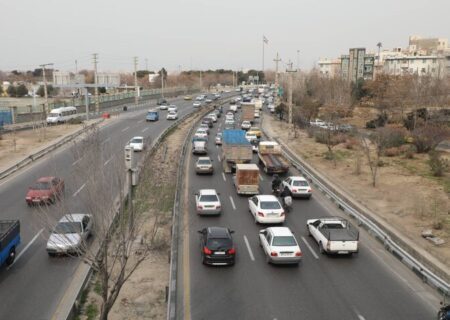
[[70, 234], [204, 165]]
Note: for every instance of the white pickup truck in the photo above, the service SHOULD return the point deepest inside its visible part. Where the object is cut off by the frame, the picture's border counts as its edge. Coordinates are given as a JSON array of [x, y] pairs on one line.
[[334, 235]]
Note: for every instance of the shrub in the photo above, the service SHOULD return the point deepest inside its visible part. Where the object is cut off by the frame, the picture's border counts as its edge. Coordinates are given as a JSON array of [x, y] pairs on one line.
[[321, 136], [408, 150], [393, 137], [310, 131], [392, 152], [380, 121], [427, 137], [351, 143], [438, 165]]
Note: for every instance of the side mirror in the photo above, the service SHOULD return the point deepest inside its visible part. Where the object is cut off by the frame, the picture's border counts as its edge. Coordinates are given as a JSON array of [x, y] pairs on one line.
[[231, 231], [263, 231], [200, 231]]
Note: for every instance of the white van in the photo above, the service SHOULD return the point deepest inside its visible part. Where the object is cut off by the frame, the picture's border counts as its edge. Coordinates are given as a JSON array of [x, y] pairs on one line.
[[60, 115]]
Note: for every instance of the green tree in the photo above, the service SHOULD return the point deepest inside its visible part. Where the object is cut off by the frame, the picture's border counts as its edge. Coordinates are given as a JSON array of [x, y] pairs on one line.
[[1, 90], [21, 91], [50, 90], [142, 73], [11, 91]]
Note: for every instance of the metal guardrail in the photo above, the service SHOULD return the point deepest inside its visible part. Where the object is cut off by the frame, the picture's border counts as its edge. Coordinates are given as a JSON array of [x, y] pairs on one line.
[[424, 273], [171, 304], [41, 153]]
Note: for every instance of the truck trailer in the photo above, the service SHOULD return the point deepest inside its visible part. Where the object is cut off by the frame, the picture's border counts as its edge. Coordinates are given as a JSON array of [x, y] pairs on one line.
[[235, 149]]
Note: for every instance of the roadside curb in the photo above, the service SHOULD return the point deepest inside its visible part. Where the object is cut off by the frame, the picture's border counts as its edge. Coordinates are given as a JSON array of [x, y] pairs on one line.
[[39, 154], [403, 251]]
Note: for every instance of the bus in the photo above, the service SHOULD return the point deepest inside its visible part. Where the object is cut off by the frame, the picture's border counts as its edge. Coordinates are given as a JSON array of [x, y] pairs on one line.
[[61, 115]]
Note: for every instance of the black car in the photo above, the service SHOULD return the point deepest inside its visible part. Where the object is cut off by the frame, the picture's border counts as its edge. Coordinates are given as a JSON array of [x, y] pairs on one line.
[[217, 246], [208, 121]]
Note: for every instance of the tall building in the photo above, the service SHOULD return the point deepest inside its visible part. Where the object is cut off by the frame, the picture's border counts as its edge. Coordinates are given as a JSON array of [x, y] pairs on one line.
[[357, 65]]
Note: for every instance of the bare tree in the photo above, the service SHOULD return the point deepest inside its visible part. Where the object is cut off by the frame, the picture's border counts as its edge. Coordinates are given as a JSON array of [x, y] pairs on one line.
[[122, 239], [373, 147]]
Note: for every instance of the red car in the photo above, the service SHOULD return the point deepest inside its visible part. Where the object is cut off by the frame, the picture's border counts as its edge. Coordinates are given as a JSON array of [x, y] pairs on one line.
[[46, 190]]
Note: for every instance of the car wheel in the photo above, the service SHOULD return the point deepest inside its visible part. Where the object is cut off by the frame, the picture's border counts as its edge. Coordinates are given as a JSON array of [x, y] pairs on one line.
[[51, 254], [309, 231], [11, 256], [321, 250], [267, 259]]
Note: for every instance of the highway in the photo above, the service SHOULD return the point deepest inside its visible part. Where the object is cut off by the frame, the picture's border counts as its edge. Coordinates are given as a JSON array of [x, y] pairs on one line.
[[367, 286], [33, 286]]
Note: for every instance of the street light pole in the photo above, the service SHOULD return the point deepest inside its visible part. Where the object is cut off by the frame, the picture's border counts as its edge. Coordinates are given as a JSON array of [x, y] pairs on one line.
[[46, 110]]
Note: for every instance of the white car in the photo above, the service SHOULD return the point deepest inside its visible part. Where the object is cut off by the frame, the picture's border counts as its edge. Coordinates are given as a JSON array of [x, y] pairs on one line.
[[246, 125], [137, 143], [280, 246], [202, 133], [213, 116], [200, 98], [233, 108], [250, 136], [204, 126], [172, 115], [266, 209], [229, 121], [229, 116], [207, 201], [197, 104], [70, 234], [256, 114], [218, 139], [172, 108], [297, 187], [163, 107]]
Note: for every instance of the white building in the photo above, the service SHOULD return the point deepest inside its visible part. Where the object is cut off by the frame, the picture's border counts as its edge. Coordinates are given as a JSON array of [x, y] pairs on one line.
[[329, 68], [431, 65]]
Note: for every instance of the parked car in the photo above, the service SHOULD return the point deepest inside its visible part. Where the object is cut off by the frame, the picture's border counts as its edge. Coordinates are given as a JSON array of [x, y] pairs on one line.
[[217, 247], [172, 115], [70, 234], [204, 165], [219, 138], [207, 202], [200, 98], [46, 190], [280, 246], [297, 187], [137, 143], [266, 209], [246, 125]]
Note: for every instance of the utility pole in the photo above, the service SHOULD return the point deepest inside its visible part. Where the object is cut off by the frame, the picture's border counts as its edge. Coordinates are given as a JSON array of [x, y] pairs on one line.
[[146, 64], [97, 104], [201, 84], [46, 110], [276, 79], [298, 60], [136, 89], [290, 71], [162, 83]]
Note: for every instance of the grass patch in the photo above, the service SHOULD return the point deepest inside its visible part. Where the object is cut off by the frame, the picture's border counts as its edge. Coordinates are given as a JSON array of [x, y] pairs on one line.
[[98, 287], [91, 312]]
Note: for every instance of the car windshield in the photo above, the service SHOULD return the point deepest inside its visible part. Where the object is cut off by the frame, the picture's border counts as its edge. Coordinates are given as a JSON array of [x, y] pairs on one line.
[[270, 205], [41, 186], [284, 241], [172, 112], [206, 161], [300, 183], [136, 140], [219, 243], [208, 198], [68, 227], [199, 139]]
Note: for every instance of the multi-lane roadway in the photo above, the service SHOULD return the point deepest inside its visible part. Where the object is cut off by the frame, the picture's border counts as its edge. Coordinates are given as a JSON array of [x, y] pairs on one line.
[[33, 286], [370, 285]]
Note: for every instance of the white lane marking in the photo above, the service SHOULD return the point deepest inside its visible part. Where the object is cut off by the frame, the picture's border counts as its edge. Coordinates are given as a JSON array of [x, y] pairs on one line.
[[261, 178], [223, 176], [360, 317], [218, 158], [123, 130], [26, 247], [79, 190], [145, 129], [75, 162], [252, 257], [232, 203], [310, 248], [106, 140], [107, 161], [140, 121]]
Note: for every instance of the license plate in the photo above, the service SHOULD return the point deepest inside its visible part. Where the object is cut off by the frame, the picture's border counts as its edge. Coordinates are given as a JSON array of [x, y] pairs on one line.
[[219, 252], [342, 252], [284, 254], [273, 214], [209, 207]]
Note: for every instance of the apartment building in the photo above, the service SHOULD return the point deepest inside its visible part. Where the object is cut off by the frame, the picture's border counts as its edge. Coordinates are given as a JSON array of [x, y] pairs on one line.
[[330, 68], [431, 65]]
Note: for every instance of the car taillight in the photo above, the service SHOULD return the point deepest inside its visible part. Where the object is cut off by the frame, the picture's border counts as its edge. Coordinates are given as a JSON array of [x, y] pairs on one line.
[[218, 207], [274, 254], [298, 254], [309, 190], [232, 251], [294, 190], [199, 207], [260, 214], [206, 250], [282, 214]]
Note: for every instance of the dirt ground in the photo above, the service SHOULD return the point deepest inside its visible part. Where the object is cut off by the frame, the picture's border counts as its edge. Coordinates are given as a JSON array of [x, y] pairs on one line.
[[143, 296], [15, 146], [406, 197]]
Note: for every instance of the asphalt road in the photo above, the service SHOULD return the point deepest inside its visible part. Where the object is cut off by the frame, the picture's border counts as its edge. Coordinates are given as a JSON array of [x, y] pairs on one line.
[[370, 285], [34, 285]]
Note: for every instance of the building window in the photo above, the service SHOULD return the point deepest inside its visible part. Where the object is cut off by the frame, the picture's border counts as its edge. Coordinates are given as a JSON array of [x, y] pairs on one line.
[[434, 60], [424, 61]]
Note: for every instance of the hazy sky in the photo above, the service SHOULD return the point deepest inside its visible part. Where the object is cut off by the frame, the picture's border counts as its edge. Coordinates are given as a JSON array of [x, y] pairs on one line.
[[205, 33]]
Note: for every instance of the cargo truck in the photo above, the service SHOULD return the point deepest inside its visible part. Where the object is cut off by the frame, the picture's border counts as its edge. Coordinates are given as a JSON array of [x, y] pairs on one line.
[[9, 240], [235, 149], [271, 157], [246, 179], [248, 112]]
